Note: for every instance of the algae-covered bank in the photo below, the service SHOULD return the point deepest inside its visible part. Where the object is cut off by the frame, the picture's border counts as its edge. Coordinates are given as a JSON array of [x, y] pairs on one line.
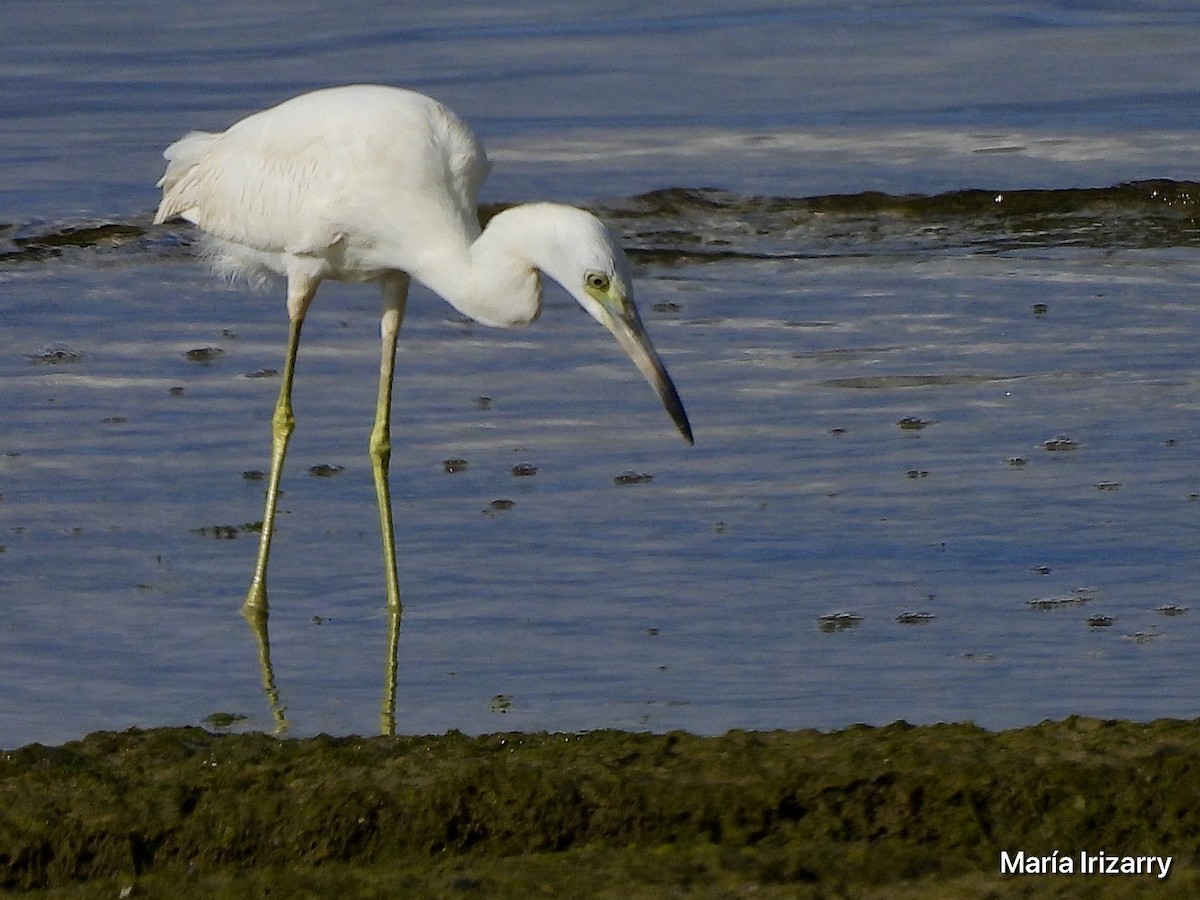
[[899, 811]]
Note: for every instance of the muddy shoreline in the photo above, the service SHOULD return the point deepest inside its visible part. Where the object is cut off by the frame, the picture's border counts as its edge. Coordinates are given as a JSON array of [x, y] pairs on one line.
[[894, 811]]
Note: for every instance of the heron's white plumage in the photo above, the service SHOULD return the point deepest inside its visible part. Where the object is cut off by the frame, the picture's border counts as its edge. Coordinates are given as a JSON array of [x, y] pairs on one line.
[[367, 182], [346, 183], [374, 183]]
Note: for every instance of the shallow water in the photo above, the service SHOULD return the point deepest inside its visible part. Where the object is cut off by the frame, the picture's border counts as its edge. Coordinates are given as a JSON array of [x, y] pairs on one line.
[[803, 317]]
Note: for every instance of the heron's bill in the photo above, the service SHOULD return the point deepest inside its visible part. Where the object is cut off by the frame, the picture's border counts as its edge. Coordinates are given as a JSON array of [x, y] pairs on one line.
[[626, 326]]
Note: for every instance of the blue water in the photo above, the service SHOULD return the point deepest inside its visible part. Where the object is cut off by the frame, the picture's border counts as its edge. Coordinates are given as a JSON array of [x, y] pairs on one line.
[[691, 601]]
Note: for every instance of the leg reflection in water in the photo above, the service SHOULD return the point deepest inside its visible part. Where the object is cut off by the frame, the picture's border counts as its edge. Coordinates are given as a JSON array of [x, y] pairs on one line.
[[256, 616]]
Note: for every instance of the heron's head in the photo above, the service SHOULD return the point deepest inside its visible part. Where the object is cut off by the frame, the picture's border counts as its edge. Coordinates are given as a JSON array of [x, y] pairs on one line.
[[580, 253]]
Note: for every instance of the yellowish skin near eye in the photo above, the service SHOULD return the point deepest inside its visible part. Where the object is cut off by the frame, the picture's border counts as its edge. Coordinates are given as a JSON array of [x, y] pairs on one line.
[[597, 281]]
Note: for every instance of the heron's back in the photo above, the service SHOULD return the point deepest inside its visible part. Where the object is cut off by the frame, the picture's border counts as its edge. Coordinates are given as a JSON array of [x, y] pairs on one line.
[[367, 174]]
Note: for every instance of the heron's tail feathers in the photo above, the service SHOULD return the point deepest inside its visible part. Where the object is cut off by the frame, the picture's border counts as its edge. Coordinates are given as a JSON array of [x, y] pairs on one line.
[[182, 156]]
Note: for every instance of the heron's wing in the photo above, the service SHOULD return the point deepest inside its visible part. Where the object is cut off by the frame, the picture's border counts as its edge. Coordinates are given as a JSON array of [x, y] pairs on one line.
[[467, 162], [362, 163], [247, 188]]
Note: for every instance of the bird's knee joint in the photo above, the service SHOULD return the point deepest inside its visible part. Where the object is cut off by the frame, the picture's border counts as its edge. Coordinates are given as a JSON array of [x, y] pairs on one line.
[[283, 421], [380, 449]]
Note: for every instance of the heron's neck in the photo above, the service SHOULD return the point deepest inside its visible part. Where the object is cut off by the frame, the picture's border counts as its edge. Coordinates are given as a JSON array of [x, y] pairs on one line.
[[495, 278]]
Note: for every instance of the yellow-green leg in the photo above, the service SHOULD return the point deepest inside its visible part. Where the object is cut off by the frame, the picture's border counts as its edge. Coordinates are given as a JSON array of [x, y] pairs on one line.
[[283, 423], [387, 712], [395, 295]]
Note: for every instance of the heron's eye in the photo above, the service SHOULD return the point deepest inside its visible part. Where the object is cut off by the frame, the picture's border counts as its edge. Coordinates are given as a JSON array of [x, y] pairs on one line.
[[597, 281]]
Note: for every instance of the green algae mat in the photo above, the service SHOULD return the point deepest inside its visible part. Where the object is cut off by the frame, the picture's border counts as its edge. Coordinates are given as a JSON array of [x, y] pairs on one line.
[[1079, 808]]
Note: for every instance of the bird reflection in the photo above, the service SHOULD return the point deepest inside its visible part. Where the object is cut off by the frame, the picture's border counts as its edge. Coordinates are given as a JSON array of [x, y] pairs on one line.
[[257, 617]]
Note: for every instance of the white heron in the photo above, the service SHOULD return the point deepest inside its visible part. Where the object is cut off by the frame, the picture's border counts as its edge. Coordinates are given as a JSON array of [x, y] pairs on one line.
[[375, 183]]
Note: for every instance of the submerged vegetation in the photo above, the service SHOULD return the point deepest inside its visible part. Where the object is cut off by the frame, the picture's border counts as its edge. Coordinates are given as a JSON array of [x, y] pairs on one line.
[[686, 225], [898, 811]]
